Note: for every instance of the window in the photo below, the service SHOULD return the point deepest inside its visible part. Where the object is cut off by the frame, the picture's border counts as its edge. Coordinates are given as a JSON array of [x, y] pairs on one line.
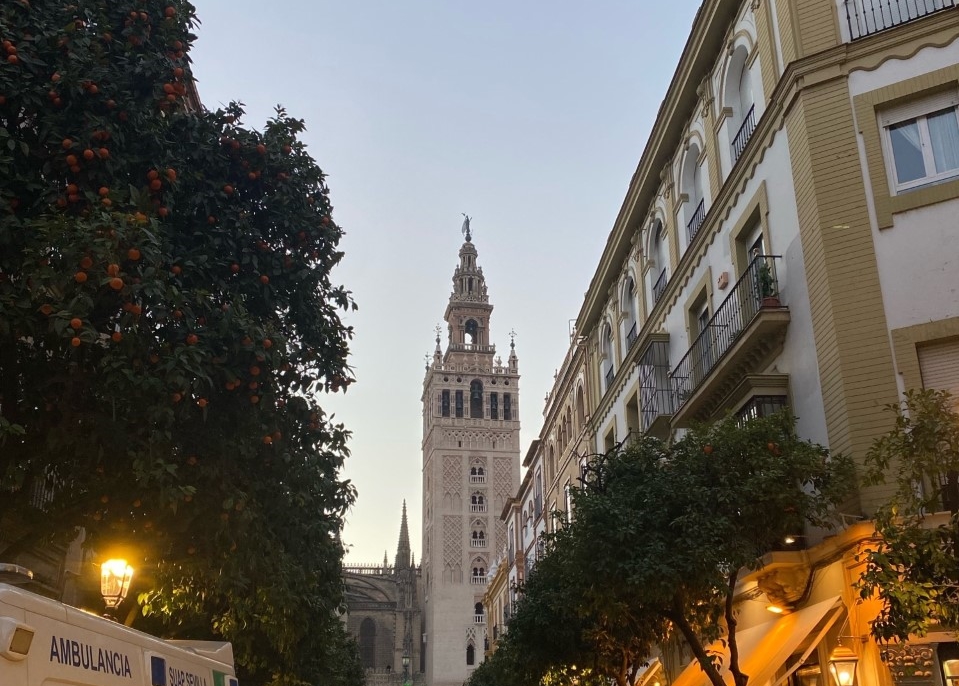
[[629, 309], [760, 406], [494, 406], [922, 141], [470, 654], [607, 366], [476, 399], [507, 407], [472, 328], [445, 403], [459, 403], [368, 643]]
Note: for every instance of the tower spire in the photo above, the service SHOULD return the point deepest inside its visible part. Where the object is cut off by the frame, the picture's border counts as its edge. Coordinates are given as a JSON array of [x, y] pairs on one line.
[[403, 546]]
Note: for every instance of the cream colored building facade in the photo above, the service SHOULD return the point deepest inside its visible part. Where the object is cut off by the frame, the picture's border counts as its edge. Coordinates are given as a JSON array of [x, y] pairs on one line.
[[788, 239], [470, 472]]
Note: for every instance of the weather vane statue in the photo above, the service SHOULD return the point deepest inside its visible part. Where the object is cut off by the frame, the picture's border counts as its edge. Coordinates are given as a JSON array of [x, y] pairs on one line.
[[466, 226]]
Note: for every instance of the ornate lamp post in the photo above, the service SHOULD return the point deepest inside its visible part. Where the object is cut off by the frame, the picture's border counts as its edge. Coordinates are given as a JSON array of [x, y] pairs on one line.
[[406, 666], [115, 577]]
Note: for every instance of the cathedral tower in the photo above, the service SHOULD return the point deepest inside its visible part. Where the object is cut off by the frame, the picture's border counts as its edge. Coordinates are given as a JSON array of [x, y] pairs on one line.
[[470, 470]]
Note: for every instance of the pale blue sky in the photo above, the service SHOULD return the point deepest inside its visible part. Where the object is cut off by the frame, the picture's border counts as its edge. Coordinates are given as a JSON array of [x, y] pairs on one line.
[[529, 116]]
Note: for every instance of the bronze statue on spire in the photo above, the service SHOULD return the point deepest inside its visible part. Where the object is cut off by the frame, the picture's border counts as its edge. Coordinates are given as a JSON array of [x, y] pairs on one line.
[[466, 227]]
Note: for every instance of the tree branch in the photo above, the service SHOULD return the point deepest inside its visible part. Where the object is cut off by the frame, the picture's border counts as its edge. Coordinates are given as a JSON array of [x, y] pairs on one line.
[[739, 678], [699, 651]]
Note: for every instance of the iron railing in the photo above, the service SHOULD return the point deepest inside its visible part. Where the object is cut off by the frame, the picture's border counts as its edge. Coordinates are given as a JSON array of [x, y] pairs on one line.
[[660, 286], [756, 285], [866, 17], [656, 394], [745, 132], [692, 226], [631, 336], [610, 373]]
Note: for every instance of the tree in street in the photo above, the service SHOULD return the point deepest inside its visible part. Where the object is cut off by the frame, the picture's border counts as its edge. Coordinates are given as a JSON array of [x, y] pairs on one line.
[[662, 531], [167, 319], [913, 569]]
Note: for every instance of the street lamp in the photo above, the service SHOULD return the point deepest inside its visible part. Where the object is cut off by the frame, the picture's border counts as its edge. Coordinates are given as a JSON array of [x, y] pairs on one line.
[[406, 665], [842, 664], [115, 577]]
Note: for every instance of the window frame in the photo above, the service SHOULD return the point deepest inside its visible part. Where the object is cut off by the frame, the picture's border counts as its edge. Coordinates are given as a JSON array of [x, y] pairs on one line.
[[917, 110]]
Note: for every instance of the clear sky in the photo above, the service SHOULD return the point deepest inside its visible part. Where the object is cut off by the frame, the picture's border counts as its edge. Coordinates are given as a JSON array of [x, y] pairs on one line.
[[530, 116]]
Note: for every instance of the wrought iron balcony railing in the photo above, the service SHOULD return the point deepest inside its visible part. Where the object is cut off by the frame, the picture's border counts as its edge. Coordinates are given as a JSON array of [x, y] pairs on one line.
[[660, 286], [610, 373], [866, 17], [657, 397], [631, 336], [692, 226], [745, 132], [756, 288]]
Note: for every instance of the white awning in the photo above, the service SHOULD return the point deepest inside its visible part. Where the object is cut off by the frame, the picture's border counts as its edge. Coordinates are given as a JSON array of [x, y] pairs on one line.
[[764, 649]]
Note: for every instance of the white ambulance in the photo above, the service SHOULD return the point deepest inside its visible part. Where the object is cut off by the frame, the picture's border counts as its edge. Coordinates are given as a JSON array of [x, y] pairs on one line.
[[46, 643]]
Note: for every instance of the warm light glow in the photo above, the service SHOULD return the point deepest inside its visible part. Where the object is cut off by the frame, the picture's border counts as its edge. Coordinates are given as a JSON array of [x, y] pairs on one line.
[[842, 665], [775, 609], [789, 540], [115, 577]]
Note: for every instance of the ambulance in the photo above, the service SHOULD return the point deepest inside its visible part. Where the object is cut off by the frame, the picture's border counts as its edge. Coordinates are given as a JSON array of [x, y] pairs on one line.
[[46, 643]]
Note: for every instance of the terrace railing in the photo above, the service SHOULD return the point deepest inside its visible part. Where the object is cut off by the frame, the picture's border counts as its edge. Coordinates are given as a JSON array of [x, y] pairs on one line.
[[866, 17]]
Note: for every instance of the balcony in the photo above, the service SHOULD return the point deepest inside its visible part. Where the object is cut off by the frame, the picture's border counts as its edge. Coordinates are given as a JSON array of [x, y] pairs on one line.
[[866, 17], [631, 336], [744, 134], [477, 543], [478, 580], [657, 397], [480, 507], [610, 373], [692, 226], [744, 334], [479, 619], [477, 478], [660, 286]]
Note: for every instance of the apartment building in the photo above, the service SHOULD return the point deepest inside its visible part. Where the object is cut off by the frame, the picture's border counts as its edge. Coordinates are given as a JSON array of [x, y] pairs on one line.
[[788, 240]]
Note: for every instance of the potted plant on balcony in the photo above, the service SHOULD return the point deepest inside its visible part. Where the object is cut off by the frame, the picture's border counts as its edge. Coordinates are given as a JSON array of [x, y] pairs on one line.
[[767, 286]]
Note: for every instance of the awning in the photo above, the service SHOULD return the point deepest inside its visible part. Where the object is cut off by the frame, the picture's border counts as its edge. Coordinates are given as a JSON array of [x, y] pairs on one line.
[[764, 649]]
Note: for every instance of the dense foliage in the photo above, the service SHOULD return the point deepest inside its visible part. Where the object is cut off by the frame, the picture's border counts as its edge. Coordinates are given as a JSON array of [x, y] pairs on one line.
[[167, 317], [660, 535], [913, 569]]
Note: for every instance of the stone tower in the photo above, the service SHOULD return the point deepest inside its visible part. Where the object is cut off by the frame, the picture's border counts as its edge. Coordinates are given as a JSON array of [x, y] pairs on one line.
[[470, 470]]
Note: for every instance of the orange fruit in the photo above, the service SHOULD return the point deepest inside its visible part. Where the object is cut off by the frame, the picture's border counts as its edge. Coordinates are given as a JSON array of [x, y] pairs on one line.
[[708, 449], [156, 184], [254, 371], [116, 283], [228, 189], [202, 402], [88, 154], [254, 399], [86, 262], [80, 277], [234, 267], [261, 149], [264, 279], [72, 160], [133, 254], [192, 339], [75, 342], [76, 323], [176, 269], [177, 397], [171, 175], [46, 309], [267, 343], [116, 336], [163, 211], [267, 440], [113, 269], [67, 143], [104, 191]]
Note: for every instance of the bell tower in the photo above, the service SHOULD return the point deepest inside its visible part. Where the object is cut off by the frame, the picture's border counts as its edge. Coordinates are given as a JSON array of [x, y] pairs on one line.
[[471, 464]]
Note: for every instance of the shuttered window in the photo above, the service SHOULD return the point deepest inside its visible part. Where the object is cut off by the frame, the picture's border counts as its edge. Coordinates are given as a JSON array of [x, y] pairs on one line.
[[940, 366]]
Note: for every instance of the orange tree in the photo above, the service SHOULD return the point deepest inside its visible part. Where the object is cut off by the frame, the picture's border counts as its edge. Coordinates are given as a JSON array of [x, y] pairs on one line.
[[167, 317]]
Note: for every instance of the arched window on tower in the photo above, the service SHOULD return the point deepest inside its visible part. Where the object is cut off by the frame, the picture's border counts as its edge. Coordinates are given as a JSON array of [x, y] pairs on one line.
[[368, 643], [470, 654], [477, 502], [472, 332], [476, 399]]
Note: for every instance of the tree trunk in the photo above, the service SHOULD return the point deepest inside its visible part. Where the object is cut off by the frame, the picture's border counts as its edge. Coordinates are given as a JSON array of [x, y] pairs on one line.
[[699, 651], [739, 678]]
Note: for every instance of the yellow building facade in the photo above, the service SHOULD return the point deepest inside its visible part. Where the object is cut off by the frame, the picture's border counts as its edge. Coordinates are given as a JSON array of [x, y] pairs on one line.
[[788, 239]]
